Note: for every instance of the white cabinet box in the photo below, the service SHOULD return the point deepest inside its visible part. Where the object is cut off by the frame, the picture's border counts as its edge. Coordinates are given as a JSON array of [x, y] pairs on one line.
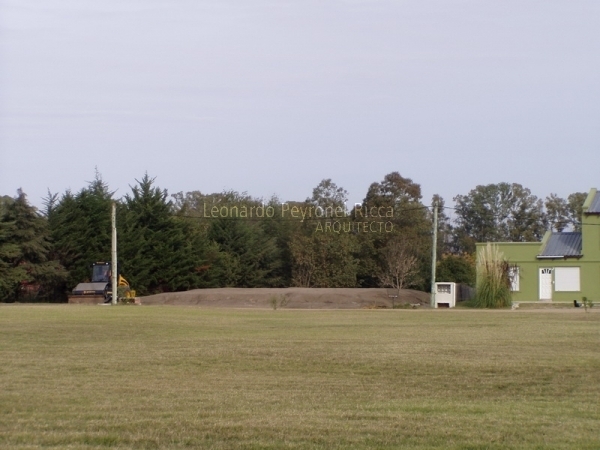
[[445, 294]]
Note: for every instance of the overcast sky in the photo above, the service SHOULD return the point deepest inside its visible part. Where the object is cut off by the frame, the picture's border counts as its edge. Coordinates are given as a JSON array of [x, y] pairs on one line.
[[272, 96]]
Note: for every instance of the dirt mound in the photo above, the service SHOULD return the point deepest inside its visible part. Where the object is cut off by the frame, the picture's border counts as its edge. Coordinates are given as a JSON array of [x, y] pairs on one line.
[[300, 298]]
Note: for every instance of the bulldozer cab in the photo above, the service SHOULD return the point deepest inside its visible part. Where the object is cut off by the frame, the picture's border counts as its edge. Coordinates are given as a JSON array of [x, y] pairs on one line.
[[100, 290], [100, 272]]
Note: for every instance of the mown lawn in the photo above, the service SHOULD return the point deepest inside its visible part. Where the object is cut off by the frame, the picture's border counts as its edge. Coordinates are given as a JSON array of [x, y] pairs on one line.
[[181, 377]]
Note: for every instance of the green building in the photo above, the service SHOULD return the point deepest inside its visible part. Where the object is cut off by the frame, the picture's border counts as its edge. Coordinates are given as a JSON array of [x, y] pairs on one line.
[[564, 267]]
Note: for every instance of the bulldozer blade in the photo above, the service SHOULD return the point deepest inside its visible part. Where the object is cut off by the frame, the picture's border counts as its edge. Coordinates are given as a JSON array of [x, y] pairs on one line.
[[86, 299]]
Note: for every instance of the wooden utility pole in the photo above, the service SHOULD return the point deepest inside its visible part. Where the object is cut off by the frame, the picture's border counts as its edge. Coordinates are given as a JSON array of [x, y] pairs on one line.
[[434, 253], [114, 273]]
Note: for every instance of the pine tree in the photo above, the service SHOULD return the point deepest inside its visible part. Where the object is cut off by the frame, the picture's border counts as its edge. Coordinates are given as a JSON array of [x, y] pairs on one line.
[[80, 227], [251, 257], [251, 253], [159, 252], [25, 269]]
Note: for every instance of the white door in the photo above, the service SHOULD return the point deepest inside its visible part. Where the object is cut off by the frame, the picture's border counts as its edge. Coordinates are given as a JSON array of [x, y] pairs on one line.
[[545, 283]]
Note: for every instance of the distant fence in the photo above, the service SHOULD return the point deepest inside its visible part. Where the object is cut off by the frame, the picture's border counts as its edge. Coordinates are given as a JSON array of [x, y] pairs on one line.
[[464, 292]]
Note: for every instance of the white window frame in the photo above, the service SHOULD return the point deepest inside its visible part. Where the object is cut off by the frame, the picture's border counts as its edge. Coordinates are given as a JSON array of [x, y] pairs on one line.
[[513, 276], [567, 279]]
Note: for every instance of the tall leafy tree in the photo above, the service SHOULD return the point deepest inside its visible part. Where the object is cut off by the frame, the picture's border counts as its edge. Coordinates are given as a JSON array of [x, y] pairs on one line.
[[328, 194], [401, 194], [320, 256], [324, 259], [410, 218], [575, 208], [498, 212], [557, 212], [527, 221], [25, 267], [563, 214], [444, 229]]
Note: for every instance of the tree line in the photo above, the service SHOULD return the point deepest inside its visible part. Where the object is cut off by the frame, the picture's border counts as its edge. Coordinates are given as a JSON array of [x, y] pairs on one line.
[[194, 240]]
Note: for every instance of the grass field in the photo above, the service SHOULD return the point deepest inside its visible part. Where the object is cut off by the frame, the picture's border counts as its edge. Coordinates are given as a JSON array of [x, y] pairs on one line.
[[180, 377]]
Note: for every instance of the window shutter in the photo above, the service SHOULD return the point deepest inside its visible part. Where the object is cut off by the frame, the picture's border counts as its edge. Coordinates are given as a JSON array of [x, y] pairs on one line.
[[566, 279]]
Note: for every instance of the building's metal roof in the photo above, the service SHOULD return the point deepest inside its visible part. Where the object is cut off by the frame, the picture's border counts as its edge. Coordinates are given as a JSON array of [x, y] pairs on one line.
[[595, 205], [562, 245]]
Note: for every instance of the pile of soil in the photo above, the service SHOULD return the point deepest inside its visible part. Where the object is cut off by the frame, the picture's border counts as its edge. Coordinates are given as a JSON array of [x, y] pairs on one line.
[[294, 298]]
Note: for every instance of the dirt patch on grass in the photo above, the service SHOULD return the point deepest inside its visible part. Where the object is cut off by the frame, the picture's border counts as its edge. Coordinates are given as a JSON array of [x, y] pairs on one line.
[[299, 298]]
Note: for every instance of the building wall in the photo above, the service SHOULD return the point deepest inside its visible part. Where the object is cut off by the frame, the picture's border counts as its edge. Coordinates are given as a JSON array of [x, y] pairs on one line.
[[524, 255], [590, 230], [589, 273]]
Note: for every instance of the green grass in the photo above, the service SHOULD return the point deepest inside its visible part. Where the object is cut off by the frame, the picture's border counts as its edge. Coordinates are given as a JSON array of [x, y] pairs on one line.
[[180, 377]]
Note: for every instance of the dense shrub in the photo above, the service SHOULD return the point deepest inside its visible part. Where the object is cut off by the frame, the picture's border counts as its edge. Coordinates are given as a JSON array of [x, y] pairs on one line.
[[493, 281]]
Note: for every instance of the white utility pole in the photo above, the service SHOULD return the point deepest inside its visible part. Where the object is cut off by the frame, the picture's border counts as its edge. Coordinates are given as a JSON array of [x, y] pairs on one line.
[[114, 271], [434, 253]]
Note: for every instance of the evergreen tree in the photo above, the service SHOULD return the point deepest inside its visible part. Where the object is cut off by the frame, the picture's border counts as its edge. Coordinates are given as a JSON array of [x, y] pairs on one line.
[[251, 256], [25, 269], [80, 226], [281, 231], [252, 250], [159, 252], [5, 200]]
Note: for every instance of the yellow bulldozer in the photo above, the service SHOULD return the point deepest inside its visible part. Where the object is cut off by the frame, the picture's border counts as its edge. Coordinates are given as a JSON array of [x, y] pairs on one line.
[[99, 289]]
